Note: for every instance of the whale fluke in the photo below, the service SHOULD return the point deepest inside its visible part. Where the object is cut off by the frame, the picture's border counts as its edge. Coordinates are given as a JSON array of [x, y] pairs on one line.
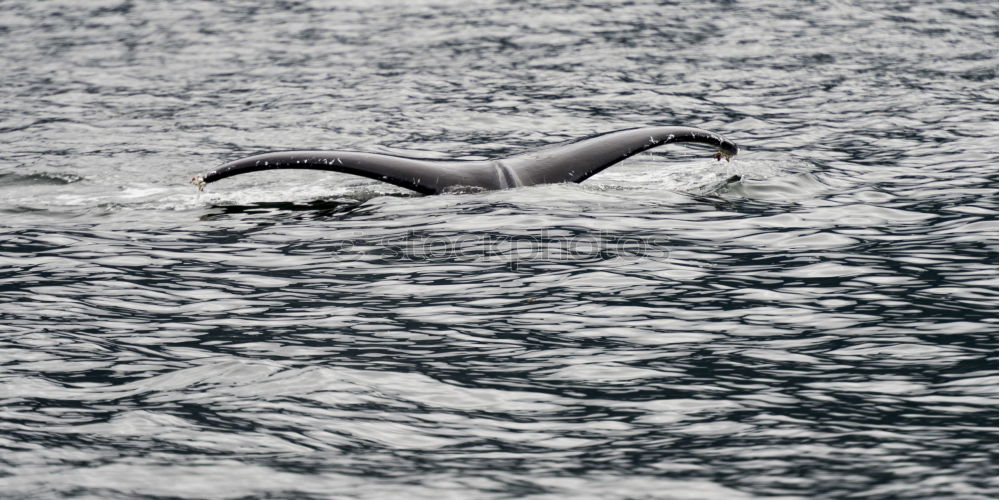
[[567, 162]]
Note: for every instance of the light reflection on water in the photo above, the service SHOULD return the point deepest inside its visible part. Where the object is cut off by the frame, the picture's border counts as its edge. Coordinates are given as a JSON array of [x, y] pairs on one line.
[[825, 327]]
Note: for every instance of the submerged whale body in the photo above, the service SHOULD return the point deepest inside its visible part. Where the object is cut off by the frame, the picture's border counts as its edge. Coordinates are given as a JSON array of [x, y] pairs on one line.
[[568, 162]]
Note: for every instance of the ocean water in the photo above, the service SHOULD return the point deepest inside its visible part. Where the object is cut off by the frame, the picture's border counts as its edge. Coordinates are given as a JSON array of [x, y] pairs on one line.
[[825, 328]]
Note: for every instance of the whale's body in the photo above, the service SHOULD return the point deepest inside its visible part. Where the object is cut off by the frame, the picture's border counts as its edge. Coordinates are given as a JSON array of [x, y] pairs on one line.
[[568, 162]]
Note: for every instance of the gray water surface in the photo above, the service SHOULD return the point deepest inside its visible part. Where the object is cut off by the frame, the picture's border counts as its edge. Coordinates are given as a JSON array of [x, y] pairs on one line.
[[824, 328]]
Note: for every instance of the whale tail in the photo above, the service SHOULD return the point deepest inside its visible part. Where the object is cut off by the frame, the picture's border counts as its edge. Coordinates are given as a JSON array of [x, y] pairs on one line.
[[569, 162], [422, 176], [579, 160]]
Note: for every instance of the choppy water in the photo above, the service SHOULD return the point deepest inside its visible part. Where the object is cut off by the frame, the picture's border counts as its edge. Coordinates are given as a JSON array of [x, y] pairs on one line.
[[826, 328]]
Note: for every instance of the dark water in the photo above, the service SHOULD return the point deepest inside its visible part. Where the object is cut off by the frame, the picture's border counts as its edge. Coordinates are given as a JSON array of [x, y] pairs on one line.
[[825, 328]]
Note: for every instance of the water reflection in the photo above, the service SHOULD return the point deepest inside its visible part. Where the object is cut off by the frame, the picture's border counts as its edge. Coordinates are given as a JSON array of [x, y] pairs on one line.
[[825, 327]]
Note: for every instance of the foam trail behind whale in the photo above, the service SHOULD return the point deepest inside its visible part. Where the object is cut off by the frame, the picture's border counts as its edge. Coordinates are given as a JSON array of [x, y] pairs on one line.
[[568, 162]]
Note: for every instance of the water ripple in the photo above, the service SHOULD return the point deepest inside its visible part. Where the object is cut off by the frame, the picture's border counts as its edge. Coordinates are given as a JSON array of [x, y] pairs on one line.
[[825, 327]]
